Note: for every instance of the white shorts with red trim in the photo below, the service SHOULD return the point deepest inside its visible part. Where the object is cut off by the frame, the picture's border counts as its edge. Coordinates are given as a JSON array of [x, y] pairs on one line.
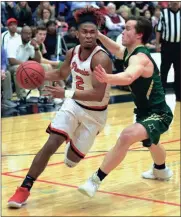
[[80, 126]]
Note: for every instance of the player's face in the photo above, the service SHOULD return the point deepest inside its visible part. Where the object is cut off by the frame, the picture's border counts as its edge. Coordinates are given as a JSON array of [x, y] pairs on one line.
[[87, 35], [129, 34], [40, 36]]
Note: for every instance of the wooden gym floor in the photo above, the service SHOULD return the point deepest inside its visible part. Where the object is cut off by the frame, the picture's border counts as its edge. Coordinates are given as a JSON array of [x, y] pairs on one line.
[[122, 193]]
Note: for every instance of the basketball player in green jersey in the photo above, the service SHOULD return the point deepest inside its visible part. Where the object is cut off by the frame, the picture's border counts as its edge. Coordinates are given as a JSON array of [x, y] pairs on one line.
[[153, 116]]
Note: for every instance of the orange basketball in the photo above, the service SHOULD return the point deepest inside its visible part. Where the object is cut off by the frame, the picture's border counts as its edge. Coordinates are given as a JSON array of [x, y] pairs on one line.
[[30, 75]]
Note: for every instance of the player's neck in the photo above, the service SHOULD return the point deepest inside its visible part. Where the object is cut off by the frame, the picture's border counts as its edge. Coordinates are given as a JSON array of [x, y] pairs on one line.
[[85, 53], [132, 47]]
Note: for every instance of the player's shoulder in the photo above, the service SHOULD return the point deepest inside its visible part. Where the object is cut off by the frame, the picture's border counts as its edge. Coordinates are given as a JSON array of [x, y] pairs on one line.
[[101, 53], [71, 50], [140, 58], [101, 57]]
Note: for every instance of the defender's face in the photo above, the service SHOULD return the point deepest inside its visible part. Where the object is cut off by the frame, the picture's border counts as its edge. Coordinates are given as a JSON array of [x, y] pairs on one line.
[[87, 35], [129, 34]]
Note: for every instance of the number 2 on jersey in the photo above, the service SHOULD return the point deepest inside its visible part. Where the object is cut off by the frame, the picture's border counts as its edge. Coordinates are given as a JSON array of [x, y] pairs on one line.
[[79, 82]]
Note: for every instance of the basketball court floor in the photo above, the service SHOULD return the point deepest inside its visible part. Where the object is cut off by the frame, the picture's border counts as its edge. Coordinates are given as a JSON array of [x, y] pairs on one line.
[[122, 193]]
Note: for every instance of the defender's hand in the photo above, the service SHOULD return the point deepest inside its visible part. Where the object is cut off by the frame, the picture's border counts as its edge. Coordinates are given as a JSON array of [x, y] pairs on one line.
[[101, 74]]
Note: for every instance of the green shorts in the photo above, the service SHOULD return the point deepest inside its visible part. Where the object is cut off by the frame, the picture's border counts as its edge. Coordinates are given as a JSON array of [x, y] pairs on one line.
[[156, 122]]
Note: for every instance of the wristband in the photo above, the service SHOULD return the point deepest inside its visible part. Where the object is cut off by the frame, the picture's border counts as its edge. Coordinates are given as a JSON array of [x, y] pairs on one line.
[[69, 93]]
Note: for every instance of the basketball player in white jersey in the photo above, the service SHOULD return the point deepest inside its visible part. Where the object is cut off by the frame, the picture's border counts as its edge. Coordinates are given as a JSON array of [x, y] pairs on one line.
[[84, 112]]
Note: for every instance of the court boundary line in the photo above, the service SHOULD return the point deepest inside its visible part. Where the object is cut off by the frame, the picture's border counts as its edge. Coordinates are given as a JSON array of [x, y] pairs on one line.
[[91, 152], [104, 192], [9, 174], [93, 156]]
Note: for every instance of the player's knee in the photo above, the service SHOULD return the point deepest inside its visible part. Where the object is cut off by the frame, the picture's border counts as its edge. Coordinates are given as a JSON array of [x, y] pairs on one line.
[[126, 137], [70, 163]]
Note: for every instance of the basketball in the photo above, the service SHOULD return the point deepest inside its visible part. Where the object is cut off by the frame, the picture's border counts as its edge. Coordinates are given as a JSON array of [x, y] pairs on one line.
[[30, 75]]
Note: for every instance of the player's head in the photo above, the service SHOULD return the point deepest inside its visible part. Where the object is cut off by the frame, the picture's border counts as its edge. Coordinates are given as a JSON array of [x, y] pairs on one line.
[[137, 30], [88, 20], [26, 34], [41, 33]]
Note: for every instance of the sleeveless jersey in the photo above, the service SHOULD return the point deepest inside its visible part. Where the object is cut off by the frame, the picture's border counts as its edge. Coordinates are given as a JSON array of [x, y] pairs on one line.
[[147, 92], [82, 77]]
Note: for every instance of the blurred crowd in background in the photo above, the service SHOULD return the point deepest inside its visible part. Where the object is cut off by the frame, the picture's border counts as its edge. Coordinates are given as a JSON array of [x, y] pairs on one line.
[[44, 31]]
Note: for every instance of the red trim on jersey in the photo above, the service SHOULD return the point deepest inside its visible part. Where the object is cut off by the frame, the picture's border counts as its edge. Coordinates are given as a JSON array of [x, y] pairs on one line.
[[76, 150], [79, 51], [93, 108], [61, 132]]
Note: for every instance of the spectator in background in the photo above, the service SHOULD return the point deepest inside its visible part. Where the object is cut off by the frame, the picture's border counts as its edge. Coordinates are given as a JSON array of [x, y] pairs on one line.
[[45, 16], [124, 11], [11, 10], [3, 15], [143, 6], [11, 33], [44, 5], [151, 44], [62, 24], [134, 9], [70, 40], [114, 22], [51, 39], [19, 52], [33, 5], [6, 83], [48, 65], [156, 16], [163, 4], [40, 37], [24, 14], [75, 5], [147, 14], [102, 8]]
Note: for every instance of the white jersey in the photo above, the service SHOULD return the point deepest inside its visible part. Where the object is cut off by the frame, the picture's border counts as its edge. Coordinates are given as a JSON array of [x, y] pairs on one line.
[[82, 77]]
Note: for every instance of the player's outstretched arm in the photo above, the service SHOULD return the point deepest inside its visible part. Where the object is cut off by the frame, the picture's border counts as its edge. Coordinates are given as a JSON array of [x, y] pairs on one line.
[[111, 45], [135, 69], [63, 72]]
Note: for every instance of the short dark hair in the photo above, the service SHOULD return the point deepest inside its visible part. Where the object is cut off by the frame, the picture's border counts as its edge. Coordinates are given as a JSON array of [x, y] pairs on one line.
[[143, 26], [41, 28], [50, 22]]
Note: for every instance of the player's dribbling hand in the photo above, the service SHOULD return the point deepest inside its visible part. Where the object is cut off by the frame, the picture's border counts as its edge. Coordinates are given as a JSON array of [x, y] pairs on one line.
[[55, 92], [100, 74]]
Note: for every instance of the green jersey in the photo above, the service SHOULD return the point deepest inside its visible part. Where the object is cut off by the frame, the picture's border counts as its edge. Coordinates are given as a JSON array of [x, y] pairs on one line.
[[147, 92]]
